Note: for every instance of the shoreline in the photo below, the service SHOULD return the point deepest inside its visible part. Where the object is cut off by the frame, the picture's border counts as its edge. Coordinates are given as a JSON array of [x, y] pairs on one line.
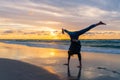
[[95, 66], [105, 46]]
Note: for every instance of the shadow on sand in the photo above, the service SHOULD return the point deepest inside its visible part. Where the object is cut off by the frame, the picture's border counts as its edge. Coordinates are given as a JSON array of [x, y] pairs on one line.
[[18, 70]]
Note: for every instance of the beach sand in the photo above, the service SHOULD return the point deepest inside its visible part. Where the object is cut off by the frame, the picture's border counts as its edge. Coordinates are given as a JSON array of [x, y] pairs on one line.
[[18, 62]]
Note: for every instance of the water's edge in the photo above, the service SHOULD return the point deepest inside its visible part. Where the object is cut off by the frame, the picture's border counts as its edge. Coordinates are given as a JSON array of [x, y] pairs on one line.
[[97, 46]]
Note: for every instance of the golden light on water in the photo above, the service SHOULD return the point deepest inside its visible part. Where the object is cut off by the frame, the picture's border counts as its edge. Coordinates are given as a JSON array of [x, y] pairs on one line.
[[52, 53], [19, 52]]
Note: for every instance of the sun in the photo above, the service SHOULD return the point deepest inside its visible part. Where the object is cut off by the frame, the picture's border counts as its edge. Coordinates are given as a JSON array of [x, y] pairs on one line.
[[52, 33]]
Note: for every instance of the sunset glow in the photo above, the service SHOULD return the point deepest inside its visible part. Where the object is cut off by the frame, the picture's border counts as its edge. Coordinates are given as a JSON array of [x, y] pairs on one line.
[[43, 19]]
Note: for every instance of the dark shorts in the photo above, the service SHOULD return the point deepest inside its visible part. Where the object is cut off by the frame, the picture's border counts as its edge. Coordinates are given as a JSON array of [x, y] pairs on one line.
[[72, 53], [75, 48]]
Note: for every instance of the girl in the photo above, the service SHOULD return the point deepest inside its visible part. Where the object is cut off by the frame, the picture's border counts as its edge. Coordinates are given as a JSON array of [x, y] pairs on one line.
[[75, 46]]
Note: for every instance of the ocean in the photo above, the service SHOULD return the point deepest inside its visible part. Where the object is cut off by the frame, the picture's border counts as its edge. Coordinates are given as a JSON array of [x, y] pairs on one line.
[[97, 46]]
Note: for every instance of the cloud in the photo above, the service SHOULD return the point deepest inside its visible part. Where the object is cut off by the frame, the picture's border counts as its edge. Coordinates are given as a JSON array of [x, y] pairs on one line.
[[73, 14], [91, 12], [8, 31]]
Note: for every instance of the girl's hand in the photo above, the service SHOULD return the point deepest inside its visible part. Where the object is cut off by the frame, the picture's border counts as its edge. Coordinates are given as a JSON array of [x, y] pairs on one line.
[[62, 31]]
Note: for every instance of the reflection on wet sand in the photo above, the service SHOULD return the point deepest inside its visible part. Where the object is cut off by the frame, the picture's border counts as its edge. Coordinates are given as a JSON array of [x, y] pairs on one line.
[[78, 77], [21, 52]]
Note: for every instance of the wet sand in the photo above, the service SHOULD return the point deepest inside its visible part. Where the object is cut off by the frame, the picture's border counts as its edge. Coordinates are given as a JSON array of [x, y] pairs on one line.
[[18, 62], [18, 70]]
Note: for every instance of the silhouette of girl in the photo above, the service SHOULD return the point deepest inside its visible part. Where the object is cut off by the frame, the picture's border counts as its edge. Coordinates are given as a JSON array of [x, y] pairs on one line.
[[75, 46]]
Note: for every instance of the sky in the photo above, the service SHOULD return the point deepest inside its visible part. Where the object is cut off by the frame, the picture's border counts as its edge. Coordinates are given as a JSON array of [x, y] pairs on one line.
[[40, 18]]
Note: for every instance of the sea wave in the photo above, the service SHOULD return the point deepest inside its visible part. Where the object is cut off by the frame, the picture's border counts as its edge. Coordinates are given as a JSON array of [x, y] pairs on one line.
[[97, 46]]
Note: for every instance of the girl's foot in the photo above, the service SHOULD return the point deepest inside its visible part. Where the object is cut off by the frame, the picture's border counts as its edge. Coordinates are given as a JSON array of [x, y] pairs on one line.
[[101, 23]]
